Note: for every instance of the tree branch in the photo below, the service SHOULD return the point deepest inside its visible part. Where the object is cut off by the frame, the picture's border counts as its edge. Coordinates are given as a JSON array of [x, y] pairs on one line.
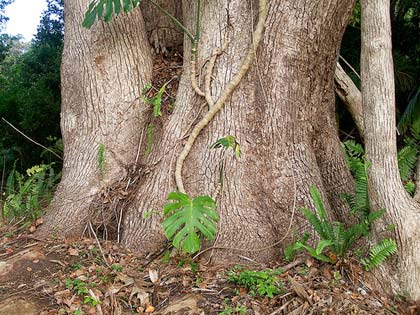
[[348, 92]]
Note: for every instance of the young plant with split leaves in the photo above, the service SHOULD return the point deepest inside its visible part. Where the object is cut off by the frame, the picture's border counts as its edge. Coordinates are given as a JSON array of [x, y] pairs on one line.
[[187, 221]]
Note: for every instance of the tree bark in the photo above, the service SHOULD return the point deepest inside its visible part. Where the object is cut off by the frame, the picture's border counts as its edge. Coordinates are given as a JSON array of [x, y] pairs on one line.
[[162, 33], [417, 195], [282, 114], [103, 72], [350, 95], [402, 273]]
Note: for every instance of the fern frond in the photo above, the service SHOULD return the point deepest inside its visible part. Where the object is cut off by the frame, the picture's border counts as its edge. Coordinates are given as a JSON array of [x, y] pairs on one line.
[[322, 214], [315, 222], [379, 252], [407, 161], [411, 113], [353, 149]]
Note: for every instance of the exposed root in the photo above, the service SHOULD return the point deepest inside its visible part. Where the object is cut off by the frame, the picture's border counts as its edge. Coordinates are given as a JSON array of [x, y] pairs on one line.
[[258, 34]]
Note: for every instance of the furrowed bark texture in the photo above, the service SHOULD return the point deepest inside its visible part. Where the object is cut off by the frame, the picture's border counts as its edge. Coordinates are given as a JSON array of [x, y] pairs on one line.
[[402, 273], [282, 114], [162, 33], [103, 72]]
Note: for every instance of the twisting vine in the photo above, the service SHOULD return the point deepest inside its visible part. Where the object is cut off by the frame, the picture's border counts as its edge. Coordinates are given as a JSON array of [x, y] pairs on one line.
[[186, 216], [214, 109]]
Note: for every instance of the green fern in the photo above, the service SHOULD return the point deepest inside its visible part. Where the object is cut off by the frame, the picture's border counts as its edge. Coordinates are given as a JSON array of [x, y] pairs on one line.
[[359, 201], [334, 236], [25, 196], [107, 9], [378, 253], [407, 161], [411, 115], [185, 217], [290, 249]]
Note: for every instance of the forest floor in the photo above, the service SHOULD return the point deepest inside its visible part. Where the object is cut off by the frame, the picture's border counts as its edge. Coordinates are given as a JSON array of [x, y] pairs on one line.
[[88, 277]]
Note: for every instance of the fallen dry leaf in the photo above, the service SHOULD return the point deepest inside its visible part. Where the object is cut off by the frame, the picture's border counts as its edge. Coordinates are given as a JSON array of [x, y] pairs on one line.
[[153, 275], [73, 252], [150, 309]]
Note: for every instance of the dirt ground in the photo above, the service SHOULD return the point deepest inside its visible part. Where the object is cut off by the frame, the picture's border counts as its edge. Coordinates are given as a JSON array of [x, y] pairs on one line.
[[87, 277]]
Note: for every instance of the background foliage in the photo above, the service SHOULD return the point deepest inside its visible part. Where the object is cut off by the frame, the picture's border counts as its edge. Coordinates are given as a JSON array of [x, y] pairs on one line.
[[30, 90]]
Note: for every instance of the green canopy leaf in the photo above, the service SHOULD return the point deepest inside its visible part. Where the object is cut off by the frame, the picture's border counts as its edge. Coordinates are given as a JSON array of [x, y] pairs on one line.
[[97, 8]]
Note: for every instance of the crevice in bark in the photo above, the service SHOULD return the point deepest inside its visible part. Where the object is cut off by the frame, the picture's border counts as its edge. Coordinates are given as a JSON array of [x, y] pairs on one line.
[[163, 35]]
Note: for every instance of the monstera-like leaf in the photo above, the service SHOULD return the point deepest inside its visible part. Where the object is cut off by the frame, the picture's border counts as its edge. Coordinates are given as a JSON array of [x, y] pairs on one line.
[[107, 8], [187, 218]]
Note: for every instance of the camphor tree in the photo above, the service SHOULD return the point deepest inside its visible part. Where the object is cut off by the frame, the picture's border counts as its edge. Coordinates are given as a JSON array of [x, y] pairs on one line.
[[267, 65]]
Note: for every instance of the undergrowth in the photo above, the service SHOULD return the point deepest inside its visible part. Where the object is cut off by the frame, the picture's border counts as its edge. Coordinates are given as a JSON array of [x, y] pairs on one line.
[[335, 240], [261, 283], [25, 196]]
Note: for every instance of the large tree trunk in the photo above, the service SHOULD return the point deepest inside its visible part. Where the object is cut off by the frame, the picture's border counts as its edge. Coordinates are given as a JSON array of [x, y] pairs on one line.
[[103, 72], [282, 114], [402, 273]]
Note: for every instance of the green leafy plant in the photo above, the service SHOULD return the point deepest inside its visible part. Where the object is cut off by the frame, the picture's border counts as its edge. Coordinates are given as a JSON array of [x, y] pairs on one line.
[[378, 253], [185, 218], [88, 300], [229, 310], [262, 283], [155, 101], [411, 115], [334, 236], [226, 143], [117, 267], [408, 157], [106, 9], [359, 201], [101, 157], [78, 286], [27, 195]]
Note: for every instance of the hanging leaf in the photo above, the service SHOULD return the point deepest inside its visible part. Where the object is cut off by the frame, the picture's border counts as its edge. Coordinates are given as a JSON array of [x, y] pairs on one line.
[[155, 101], [228, 142], [186, 218], [97, 8]]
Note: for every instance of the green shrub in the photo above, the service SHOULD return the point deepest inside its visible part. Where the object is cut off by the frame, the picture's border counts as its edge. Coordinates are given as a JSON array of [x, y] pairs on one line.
[[334, 236], [262, 283], [26, 196]]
